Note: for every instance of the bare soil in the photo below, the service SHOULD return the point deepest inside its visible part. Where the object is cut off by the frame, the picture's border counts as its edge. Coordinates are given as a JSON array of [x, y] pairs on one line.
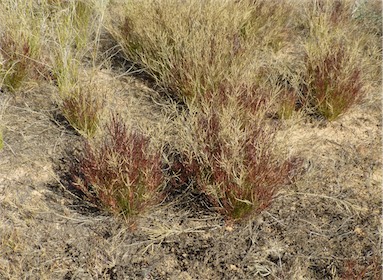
[[326, 225]]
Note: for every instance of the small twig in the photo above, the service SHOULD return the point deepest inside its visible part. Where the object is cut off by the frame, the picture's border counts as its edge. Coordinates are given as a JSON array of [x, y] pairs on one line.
[[10, 148]]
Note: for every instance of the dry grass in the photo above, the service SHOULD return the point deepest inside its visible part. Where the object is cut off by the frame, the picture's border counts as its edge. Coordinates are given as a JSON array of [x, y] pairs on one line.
[[226, 151], [336, 66], [231, 134], [21, 44], [83, 108], [3, 105], [235, 44], [191, 47]]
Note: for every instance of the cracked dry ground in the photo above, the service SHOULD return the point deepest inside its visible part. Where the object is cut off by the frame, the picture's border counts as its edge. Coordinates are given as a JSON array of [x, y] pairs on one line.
[[323, 226]]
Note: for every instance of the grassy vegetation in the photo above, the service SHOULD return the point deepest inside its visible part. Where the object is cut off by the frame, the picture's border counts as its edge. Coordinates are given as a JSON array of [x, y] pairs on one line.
[[120, 172], [21, 48], [83, 108], [261, 111], [226, 149], [192, 48], [233, 64], [51, 42], [334, 60]]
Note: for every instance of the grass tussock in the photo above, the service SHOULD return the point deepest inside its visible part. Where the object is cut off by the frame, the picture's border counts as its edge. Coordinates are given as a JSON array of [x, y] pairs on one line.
[[83, 109], [76, 26], [120, 172], [334, 65], [21, 44], [227, 153], [334, 80], [192, 47]]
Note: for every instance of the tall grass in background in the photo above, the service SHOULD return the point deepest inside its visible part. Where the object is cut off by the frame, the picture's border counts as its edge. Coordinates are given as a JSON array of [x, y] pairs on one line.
[[193, 47], [74, 24], [316, 53], [52, 40], [22, 28]]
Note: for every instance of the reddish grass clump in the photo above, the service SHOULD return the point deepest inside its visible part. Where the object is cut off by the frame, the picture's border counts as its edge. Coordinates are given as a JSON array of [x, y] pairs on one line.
[[232, 162], [332, 90], [20, 62], [120, 172]]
